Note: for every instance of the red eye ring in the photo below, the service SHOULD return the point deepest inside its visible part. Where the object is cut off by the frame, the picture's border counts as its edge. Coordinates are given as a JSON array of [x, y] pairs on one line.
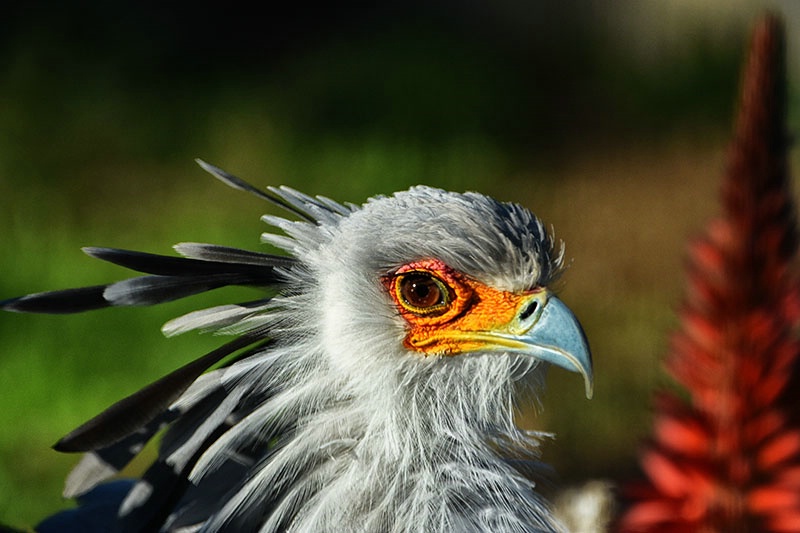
[[428, 292]]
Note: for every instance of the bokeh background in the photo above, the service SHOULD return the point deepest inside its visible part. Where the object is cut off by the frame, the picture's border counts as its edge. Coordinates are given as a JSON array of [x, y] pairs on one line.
[[608, 119]]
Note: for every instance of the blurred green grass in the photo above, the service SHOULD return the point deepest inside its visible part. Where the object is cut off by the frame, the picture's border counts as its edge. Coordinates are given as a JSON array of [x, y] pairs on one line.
[[623, 160]]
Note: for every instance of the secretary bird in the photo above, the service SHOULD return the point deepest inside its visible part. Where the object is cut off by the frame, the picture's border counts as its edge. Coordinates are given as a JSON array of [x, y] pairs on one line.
[[371, 389]]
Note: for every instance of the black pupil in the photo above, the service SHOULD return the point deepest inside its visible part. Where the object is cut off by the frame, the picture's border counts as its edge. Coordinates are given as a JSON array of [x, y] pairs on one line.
[[421, 291]]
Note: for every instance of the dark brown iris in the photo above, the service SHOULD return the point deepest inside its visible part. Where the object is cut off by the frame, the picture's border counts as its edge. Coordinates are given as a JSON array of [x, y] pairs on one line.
[[422, 291]]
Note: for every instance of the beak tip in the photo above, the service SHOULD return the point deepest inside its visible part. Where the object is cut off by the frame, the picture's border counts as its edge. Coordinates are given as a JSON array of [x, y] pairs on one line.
[[587, 372], [559, 339]]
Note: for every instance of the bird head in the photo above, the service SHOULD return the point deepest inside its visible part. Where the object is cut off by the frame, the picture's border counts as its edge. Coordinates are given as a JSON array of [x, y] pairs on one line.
[[427, 278]]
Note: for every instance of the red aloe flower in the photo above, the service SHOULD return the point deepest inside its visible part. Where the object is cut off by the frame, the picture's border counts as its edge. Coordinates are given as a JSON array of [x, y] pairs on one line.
[[725, 457]]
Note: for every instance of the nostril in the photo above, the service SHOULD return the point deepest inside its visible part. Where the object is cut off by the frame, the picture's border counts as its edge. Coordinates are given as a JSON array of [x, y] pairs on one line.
[[529, 310]]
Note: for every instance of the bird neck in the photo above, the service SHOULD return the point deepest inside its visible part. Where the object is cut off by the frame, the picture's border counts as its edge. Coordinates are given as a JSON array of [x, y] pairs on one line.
[[426, 451]]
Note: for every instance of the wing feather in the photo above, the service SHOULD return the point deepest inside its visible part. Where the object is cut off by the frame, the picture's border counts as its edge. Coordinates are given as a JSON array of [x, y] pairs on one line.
[[59, 302], [226, 254], [129, 414]]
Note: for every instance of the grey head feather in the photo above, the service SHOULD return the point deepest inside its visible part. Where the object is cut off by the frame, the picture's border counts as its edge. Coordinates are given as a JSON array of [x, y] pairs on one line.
[[501, 244]]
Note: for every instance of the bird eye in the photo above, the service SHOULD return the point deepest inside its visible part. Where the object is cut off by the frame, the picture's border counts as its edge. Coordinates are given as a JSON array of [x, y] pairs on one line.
[[422, 293]]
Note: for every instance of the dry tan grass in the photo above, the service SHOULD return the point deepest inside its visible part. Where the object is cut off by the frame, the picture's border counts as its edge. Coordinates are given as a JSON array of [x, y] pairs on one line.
[[627, 217]]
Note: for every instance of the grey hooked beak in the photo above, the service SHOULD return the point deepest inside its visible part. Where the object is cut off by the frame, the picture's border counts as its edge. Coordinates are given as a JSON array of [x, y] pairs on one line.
[[547, 330]]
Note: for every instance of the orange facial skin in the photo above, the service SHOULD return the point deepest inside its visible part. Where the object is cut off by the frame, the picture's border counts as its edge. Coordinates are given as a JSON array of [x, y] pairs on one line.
[[463, 319]]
